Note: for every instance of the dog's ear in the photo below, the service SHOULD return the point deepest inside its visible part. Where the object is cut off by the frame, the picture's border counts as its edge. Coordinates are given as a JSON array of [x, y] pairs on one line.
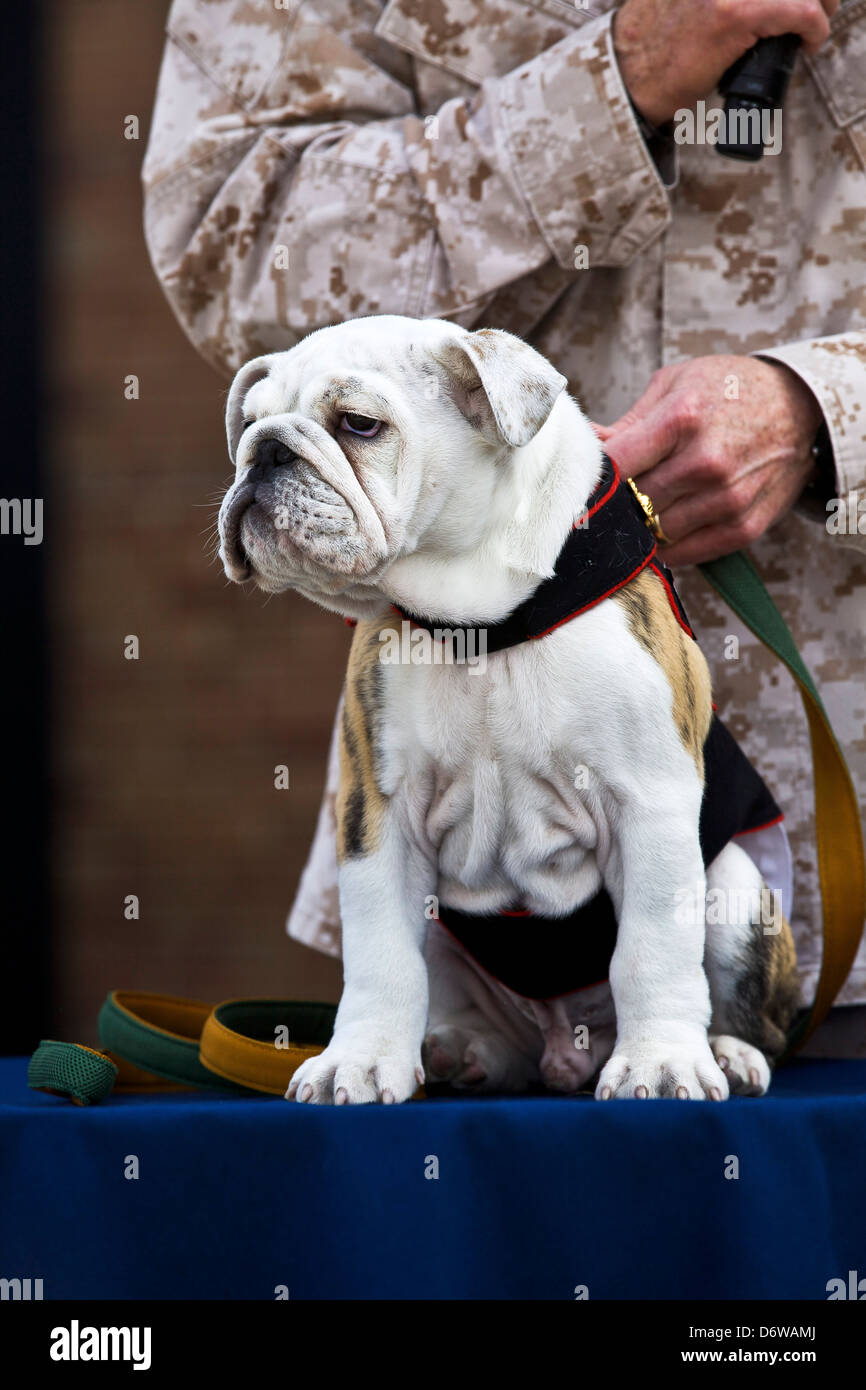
[[249, 374], [503, 385]]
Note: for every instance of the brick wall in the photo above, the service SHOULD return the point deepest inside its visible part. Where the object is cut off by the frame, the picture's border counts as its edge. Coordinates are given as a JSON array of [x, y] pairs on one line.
[[163, 782]]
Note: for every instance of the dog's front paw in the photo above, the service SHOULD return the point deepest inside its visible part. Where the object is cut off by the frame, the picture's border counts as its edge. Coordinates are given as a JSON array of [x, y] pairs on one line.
[[358, 1071], [746, 1068], [684, 1069]]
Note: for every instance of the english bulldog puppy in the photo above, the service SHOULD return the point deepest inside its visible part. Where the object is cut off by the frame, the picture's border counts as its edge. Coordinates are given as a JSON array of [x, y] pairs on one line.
[[537, 804]]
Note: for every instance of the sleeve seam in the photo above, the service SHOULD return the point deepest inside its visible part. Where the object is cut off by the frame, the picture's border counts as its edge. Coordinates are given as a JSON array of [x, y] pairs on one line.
[[157, 188], [193, 57], [185, 48]]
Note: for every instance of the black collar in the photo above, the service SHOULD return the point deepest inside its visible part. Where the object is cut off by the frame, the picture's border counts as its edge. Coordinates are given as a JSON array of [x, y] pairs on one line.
[[606, 547]]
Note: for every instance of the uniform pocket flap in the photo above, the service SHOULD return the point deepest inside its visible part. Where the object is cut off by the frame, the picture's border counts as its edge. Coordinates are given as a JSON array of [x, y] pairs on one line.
[[475, 39], [839, 68]]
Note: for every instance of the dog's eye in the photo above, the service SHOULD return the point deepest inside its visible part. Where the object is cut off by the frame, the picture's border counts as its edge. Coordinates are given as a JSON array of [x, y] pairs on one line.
[[248, 424], [364, 425]]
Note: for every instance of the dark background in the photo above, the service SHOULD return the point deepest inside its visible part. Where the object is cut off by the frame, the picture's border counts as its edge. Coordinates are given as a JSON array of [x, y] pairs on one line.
[[152, 777]]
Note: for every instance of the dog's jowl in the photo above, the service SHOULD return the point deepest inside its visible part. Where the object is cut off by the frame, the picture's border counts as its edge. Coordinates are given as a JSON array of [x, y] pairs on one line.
[[598, 851]]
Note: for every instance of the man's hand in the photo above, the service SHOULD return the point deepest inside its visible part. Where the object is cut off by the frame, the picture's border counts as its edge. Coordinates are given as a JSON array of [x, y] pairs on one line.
[[722, 446], [672, 52]]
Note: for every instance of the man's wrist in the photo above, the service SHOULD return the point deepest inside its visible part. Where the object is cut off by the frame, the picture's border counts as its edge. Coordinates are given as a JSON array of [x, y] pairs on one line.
[[637, 78], [652, 134], [822, 484]]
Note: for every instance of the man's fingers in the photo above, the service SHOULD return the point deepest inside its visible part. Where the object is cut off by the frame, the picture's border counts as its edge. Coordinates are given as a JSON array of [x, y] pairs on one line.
[[693, 511], [693, 543], [710, 543], [808, 18], [671, 480], [641, 446]]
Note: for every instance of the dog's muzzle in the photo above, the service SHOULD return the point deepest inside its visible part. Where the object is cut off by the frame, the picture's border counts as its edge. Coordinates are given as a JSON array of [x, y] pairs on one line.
[[270, 455]]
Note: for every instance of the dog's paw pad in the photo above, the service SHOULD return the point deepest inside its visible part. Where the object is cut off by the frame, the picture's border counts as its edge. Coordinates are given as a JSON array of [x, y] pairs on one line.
[[566, 1069], [746, 1068], [677, 1071], [449, 1056], [351, 1075], [442, 1053]]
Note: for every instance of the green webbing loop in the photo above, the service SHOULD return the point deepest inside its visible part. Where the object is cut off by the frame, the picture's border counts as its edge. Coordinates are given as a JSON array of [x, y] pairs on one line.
[[71, 1070]]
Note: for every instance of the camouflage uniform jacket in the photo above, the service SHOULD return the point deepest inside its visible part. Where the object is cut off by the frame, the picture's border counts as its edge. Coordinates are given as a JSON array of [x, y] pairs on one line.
[[479, 160]]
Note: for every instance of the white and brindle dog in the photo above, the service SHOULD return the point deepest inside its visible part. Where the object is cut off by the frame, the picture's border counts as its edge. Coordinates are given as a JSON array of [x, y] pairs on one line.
[[395, 464]]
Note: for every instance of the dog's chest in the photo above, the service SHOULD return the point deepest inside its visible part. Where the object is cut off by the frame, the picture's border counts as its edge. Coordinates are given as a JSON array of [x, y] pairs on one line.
[[494, 768]]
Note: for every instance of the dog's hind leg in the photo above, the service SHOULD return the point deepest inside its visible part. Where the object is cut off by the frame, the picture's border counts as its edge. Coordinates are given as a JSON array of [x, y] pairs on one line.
[[579, 1033], [476, 1039], [751, 967]]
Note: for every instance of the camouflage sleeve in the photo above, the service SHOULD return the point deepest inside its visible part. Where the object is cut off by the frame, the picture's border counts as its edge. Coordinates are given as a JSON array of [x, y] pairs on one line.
[[292, 181], [834, 369]]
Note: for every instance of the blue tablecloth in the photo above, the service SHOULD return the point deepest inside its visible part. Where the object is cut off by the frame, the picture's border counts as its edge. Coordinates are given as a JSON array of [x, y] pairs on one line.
[[534, 1197]]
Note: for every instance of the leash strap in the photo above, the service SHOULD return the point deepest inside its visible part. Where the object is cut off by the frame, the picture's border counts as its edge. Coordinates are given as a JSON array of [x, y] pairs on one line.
[[241, 1041], [159, 1034], [837, 813], [237, 1047]]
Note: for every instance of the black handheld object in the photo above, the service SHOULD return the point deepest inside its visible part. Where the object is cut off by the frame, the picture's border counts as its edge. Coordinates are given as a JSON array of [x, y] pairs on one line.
[[756, 82]]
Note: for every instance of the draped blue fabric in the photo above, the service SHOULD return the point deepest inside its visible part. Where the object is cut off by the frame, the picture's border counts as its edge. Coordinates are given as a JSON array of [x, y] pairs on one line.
[[534, 1197]]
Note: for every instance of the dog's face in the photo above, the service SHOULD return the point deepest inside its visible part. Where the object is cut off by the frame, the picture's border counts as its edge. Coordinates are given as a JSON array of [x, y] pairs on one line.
[[354, 448]]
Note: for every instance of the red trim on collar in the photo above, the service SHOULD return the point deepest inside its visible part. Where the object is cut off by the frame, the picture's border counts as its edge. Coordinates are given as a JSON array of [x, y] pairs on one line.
[[672, 601], [586, 607], [584, 516], [753, 829]]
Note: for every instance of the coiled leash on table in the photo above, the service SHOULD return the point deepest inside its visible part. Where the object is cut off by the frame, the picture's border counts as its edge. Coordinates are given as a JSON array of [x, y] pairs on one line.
[[158, 1042]]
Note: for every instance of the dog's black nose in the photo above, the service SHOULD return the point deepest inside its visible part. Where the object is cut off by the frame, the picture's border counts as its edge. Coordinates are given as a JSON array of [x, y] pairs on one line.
[[272, 453]]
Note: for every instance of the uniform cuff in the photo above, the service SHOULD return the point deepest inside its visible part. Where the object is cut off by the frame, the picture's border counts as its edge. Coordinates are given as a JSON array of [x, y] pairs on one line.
[[578, 153], [834, 369]]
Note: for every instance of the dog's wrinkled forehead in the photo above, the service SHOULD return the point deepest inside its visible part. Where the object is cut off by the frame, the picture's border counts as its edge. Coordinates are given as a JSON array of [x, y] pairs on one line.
[[300, 387], [393, 367], [352, 364]]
